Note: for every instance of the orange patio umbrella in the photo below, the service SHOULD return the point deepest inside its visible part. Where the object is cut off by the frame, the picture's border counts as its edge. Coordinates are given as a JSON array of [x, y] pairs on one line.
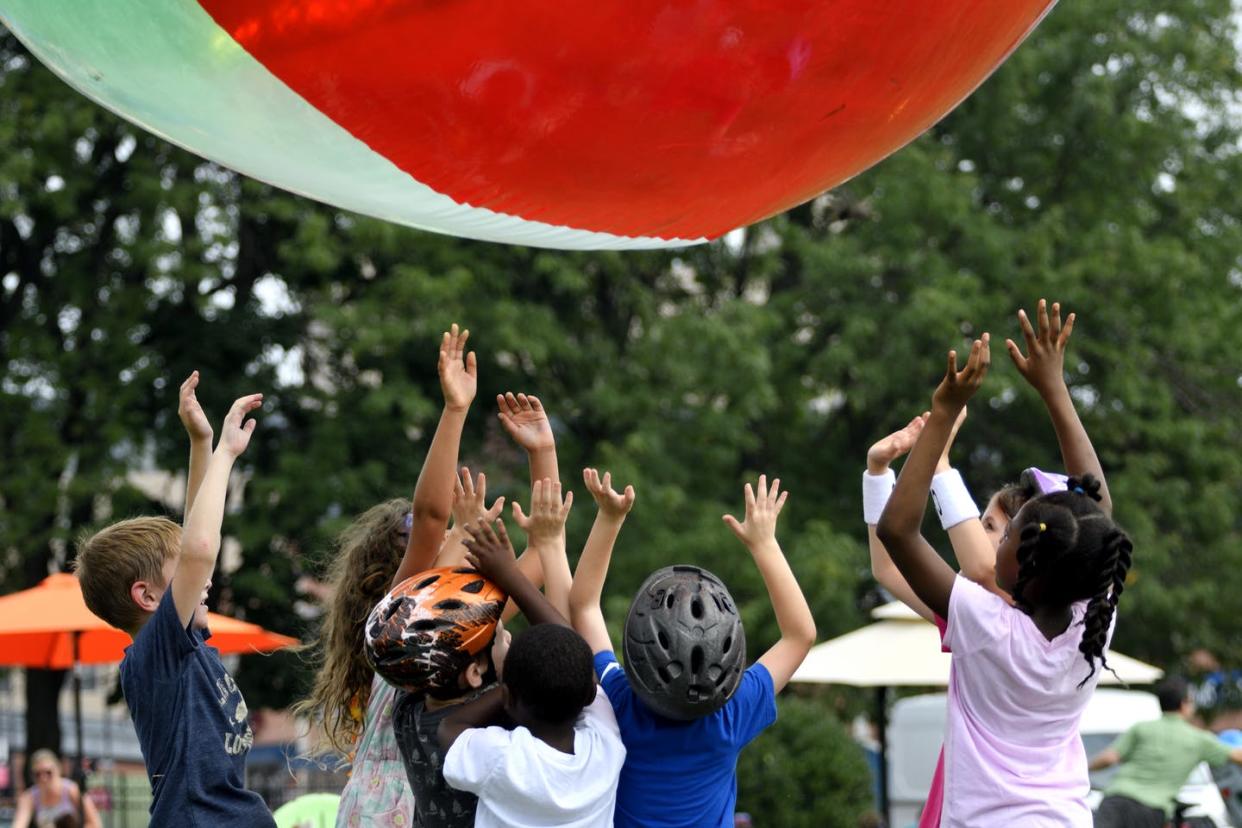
[[49, 627], [38, 627]]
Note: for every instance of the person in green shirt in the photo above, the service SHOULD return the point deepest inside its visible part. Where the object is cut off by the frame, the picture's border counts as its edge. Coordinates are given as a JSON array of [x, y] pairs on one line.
[[1156, 757]]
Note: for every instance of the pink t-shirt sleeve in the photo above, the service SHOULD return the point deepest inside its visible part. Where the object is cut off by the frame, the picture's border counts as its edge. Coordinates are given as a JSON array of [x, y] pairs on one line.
[[976, 617], [943, 626]]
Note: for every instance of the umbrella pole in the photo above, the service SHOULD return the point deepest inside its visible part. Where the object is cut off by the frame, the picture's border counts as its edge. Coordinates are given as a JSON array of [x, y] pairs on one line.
[[881, 723], [78, 775]]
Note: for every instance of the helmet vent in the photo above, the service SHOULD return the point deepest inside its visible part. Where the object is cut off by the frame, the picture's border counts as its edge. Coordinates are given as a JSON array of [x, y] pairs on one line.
[[426, 582], [425, 625], [474, 587], [696, 660], [662, 638], [450, 604], [668, 600], [727, 645], [696, 608], [670, 672]]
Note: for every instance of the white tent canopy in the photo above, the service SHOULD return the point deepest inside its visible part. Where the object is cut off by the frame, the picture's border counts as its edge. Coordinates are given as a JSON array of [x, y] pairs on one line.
[[903, 650]]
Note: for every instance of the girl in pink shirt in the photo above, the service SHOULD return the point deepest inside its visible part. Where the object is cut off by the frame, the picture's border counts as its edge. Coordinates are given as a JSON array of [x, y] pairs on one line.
[[1018, 686]]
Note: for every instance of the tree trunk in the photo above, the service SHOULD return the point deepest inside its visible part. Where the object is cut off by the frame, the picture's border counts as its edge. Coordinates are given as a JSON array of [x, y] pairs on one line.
[[42, 717]]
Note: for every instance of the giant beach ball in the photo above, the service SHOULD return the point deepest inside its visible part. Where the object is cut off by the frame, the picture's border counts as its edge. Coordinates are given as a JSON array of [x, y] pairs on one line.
[[597, 124]]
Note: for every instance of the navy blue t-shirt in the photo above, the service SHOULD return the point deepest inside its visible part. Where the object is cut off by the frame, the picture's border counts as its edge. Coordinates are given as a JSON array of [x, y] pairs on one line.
[[192, 726], [683, 774]]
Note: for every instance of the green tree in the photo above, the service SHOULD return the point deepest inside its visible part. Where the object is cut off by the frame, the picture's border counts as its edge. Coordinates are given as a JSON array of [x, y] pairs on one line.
[[804, 772]]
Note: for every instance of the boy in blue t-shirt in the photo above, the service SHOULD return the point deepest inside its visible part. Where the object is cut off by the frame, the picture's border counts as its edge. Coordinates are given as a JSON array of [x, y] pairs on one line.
[[148, 577], [685, 702]]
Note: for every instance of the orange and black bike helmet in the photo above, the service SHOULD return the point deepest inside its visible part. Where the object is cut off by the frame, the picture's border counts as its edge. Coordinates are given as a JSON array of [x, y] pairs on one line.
[[428, 628]]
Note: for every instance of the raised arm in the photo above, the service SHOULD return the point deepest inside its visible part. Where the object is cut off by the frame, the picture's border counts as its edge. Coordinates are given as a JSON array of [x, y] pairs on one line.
[[976, 556], [793, 616], [1044, 368], [489, 551], [876, 488], [523, 416], [199, 431], [433, 494], [488, 709], [588, 584], [200, 541], [900, 526], [545, 535]]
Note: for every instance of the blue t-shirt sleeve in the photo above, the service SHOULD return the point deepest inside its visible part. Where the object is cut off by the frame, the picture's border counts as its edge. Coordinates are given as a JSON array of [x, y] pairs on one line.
[[161, 645], [612, 679], [752, 709]]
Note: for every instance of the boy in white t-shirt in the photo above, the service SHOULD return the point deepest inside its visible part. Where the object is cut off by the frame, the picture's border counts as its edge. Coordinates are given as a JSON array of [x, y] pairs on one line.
[[560, 765]]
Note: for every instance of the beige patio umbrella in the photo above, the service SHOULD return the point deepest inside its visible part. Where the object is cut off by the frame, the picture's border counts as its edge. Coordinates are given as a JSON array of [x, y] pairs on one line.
[[902, 650]]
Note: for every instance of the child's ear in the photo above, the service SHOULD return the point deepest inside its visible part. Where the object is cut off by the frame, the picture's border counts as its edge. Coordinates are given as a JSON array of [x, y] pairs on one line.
[[475, 673], [144, 595]]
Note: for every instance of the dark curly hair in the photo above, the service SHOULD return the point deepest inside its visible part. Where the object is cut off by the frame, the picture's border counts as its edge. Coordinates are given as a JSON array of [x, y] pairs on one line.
[[549, 669], [1068, 551]]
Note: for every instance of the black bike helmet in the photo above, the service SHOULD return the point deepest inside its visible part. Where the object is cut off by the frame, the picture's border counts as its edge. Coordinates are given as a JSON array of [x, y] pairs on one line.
[[685, 650]]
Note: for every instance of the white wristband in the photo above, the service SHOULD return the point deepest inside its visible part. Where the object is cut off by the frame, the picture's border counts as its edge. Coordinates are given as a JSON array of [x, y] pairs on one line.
[[953, 502], [876, 491]]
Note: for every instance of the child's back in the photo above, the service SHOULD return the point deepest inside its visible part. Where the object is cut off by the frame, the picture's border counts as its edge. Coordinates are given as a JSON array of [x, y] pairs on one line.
[[560, 764], [1014, 708], [192, 726], [685, 703], [683, 773]]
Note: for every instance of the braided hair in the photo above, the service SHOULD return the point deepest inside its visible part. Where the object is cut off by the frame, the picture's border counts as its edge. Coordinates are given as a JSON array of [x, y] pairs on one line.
[[1068, 551]]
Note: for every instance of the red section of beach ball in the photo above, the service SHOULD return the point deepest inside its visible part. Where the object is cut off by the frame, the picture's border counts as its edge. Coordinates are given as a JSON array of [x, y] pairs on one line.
[[645, 118]]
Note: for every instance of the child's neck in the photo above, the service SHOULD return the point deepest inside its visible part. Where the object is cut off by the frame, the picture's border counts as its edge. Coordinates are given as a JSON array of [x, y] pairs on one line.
[[559, 736], [1051, 621], [440, 704]]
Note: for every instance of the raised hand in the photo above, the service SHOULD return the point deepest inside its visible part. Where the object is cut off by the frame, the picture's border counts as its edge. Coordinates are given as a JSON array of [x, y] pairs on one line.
[[523, 417], [1043, 366], [958, 387], [490, 551], [458, 370], [887, 449], [763, 507], [548, 512], [470, 500], [609, 501], [190, 412], [236, 431]]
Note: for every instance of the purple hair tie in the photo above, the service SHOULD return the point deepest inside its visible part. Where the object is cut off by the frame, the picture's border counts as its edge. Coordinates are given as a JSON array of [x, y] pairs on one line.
[[1049, 482], [409, 521]]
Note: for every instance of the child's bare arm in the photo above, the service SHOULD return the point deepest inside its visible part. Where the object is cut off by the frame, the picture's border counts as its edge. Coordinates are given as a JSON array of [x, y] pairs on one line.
[[976, 556], [879, 457], [1044, 368], [793, 616], [433, 495], [490, 552], [200, 541], [488, 709], [199, 431], [545, 533], [588, 583], [900, 526]]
